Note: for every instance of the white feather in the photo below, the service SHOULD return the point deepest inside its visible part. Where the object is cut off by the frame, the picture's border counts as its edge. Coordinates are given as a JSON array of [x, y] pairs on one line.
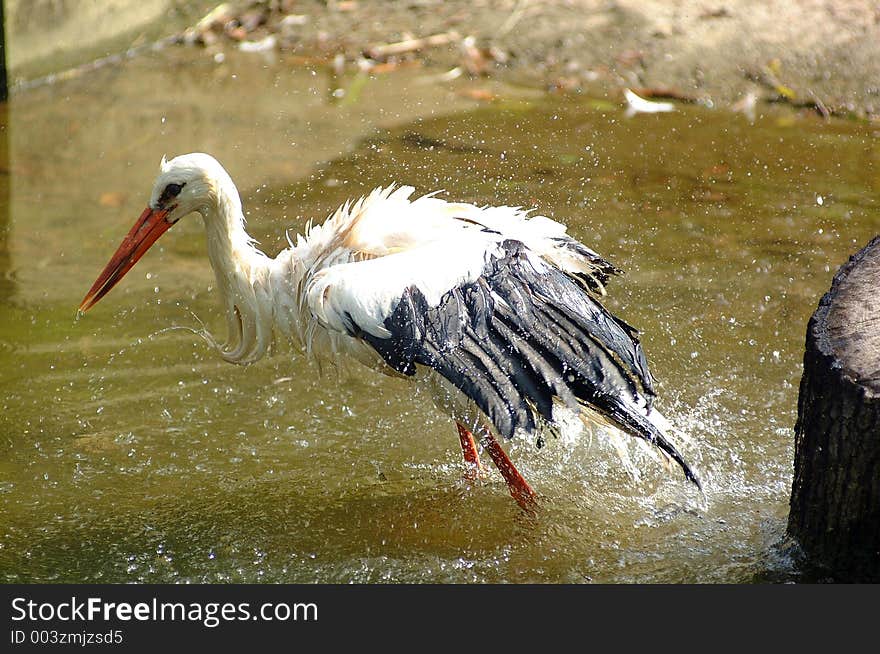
[[354, 268]]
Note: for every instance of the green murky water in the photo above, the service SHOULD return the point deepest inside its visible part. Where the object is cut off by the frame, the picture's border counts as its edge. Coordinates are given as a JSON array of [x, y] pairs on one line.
[[130, 452]]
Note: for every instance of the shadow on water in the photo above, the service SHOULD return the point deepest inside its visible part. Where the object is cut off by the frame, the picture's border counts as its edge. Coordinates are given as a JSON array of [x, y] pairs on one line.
[[130, 453]]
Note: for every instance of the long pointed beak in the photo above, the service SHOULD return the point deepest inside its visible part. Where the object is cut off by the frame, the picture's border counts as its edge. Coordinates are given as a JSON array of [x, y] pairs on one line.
[[148, 228]]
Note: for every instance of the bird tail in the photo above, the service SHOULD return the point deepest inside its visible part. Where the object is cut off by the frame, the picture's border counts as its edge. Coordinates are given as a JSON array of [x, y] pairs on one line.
[[633, 419], [651, 426]]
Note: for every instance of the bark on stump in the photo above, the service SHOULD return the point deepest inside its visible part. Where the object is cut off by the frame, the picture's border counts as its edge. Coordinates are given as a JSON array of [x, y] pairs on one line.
[[835, 498]]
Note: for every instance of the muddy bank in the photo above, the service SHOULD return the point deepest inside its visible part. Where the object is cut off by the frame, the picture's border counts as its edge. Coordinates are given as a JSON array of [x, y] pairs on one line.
[[823, 56], [817, 55]]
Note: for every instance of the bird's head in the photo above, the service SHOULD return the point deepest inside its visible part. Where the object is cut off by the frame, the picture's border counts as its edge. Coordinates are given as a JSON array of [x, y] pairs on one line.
[[185, 184]]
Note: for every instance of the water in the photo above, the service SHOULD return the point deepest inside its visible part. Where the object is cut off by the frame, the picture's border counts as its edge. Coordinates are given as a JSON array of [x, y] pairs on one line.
[[130, 452]]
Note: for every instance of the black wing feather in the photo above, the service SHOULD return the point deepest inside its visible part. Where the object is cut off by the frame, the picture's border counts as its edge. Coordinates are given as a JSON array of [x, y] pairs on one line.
[[519, 337]]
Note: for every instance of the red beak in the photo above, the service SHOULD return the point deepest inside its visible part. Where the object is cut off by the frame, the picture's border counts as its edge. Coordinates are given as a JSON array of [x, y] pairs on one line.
[[148, 228]]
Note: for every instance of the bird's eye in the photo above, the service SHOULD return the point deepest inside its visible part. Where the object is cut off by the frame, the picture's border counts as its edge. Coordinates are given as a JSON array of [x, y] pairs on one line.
[[171, 191]]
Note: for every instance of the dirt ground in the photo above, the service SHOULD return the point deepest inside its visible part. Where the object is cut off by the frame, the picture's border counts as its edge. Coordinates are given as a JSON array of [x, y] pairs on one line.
[[822, 55]]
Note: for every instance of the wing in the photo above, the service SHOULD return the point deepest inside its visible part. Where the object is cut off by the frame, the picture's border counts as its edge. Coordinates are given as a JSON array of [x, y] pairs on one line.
[[388, 222], [511, 331]]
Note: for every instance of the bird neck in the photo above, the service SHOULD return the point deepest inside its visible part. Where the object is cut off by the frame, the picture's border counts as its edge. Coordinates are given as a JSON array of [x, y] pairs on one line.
[[242, 272]]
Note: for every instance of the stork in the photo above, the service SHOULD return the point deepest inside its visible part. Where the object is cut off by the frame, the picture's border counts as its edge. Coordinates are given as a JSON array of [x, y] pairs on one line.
[[496, 311]]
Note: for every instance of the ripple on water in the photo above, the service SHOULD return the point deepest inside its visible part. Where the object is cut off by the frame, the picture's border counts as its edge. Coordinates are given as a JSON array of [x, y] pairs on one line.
[[193, 470]]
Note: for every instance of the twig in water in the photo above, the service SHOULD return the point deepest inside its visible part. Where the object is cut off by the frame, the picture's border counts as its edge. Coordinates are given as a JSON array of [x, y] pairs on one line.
[[384, 50]]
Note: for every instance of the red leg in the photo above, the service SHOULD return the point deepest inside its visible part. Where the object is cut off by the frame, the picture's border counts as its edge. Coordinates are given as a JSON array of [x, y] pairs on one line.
[[469, 449], [517, 485]]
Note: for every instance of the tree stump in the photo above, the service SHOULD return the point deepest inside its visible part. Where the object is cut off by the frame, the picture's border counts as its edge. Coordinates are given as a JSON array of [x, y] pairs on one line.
[[835, 498]]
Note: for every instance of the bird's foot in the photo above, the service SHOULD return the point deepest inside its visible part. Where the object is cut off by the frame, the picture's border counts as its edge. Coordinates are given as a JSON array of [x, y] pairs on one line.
[[519, 488], [474, 470]]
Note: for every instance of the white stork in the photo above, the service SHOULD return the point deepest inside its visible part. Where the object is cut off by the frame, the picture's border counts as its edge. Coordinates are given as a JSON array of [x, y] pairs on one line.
[[497, 311]]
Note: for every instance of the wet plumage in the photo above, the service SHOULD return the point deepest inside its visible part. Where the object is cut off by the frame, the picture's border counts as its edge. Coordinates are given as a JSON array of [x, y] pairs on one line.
[[499, 310]]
